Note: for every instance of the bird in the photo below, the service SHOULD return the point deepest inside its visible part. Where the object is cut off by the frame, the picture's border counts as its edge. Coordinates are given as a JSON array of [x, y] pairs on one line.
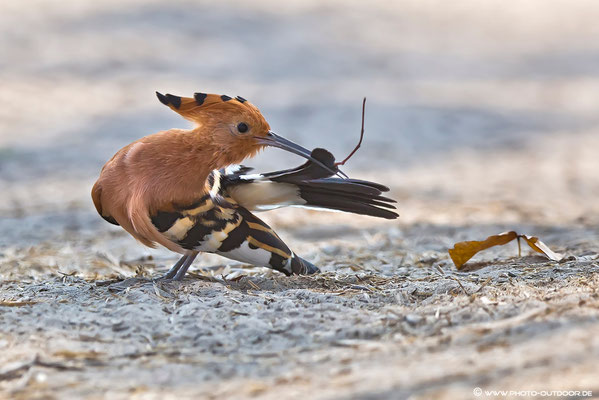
[[185, 189]]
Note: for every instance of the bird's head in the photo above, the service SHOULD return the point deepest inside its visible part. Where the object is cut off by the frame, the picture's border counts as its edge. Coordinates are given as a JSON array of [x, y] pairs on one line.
[[232, 125]]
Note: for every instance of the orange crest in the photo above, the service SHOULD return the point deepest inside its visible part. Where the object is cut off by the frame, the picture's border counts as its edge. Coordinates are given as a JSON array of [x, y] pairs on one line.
[[202, 105], [230, 125]]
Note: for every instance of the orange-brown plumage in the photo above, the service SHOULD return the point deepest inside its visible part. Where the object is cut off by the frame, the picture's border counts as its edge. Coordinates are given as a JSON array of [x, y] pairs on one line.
[[171, 167], [169, 188]]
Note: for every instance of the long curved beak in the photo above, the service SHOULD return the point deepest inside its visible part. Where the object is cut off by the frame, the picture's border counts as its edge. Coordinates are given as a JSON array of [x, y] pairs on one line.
[[274, 140]]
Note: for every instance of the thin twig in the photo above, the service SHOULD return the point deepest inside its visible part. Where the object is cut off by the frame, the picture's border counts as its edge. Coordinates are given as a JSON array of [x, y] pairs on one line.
[[252, 284], [485, 283], [361, 137], [460, 283]]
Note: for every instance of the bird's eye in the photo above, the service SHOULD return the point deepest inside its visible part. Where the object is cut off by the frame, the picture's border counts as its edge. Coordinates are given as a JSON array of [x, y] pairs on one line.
[[242, 127]]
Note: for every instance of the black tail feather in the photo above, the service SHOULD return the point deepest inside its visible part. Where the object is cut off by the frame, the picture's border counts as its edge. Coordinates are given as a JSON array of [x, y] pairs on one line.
[[321, 197], [353, 186], [317, 188]]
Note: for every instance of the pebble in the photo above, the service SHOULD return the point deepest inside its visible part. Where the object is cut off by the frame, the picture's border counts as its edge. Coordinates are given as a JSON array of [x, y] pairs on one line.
[[413, 319], [331, 249]]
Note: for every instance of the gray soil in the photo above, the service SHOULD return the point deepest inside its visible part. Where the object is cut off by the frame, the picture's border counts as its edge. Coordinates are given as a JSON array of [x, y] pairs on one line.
[[481, 117]]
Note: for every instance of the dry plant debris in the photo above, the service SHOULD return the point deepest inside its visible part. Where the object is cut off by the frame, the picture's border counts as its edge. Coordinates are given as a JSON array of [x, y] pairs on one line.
[[464, 251]]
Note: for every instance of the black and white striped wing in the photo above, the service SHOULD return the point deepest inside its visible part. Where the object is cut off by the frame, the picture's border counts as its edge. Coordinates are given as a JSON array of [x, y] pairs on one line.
[[308, 185], [231, 231]]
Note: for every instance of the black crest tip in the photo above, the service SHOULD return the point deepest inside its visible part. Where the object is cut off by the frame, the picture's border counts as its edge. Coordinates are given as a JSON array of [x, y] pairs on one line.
[[240, 99], [174, 100], [200, 97], [163, 99], [224, 97]]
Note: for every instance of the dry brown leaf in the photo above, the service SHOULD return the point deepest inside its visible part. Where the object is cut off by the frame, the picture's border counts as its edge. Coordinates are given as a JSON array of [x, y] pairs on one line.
[[541, 247], [464, 251]]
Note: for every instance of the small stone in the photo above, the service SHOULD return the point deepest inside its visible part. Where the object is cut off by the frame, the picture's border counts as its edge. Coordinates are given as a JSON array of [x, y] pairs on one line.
[[413, 319], [330, 250]]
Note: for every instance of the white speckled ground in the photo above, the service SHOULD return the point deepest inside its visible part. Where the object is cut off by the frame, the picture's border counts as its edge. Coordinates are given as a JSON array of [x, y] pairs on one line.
[[481, 117]]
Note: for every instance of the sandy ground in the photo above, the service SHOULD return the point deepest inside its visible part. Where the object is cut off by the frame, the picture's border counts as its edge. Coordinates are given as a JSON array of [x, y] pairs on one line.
[[481, 117]]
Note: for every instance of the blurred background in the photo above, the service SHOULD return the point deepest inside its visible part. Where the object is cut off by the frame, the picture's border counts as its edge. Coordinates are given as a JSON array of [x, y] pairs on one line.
[[481, 117], [476, 111]]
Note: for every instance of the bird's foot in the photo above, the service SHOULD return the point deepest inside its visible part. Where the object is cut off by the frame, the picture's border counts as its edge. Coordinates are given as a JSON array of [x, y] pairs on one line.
[[178, 270], [185, 266], [173, 271]]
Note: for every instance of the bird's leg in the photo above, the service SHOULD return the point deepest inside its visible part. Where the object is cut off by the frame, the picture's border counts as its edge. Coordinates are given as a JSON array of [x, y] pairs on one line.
[[183, 269], [171, 272]]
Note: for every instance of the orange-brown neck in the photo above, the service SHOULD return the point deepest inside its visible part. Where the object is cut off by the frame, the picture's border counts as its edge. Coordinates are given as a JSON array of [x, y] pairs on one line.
[[172, 167]]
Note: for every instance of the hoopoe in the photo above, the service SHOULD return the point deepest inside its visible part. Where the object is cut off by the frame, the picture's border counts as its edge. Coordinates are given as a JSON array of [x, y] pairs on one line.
[[183, 189]]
